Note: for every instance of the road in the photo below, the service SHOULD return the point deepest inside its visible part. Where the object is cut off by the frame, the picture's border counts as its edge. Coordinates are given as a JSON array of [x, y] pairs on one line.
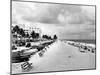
[[61, 56]]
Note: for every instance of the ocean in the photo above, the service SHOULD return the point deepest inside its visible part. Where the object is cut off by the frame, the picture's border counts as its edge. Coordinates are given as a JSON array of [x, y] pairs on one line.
[[83, 41]]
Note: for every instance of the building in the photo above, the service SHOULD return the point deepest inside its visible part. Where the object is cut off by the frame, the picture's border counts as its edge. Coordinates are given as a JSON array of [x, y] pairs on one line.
[[30, 29]]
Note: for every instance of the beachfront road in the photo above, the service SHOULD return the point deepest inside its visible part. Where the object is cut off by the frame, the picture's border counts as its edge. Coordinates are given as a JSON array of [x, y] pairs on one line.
[[61, 56]]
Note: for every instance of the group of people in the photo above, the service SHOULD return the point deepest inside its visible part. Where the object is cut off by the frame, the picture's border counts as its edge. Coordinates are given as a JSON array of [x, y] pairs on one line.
[[83, 47]]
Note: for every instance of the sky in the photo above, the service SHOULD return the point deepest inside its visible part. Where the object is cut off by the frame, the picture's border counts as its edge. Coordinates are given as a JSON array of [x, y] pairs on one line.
[[64, 20]]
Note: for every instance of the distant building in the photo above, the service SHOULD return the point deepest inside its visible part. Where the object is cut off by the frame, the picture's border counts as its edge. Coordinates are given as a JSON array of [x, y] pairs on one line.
[[30, 29]]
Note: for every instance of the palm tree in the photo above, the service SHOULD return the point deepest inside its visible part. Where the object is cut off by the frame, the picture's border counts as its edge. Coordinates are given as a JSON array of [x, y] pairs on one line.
[[33, 35], [55, 37], [16, 29]]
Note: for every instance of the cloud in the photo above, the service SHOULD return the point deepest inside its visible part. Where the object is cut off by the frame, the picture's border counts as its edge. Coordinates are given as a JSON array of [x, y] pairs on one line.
[[66, 20], [49, 13], [78, 17], [77, 32], [43, 13]]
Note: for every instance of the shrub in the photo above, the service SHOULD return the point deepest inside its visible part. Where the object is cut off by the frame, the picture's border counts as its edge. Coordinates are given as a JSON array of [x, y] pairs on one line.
[[13, 47], [28, 45]]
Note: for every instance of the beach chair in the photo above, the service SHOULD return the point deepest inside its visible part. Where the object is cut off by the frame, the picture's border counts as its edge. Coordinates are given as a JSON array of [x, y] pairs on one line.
[[40, 54], [26, 66]]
